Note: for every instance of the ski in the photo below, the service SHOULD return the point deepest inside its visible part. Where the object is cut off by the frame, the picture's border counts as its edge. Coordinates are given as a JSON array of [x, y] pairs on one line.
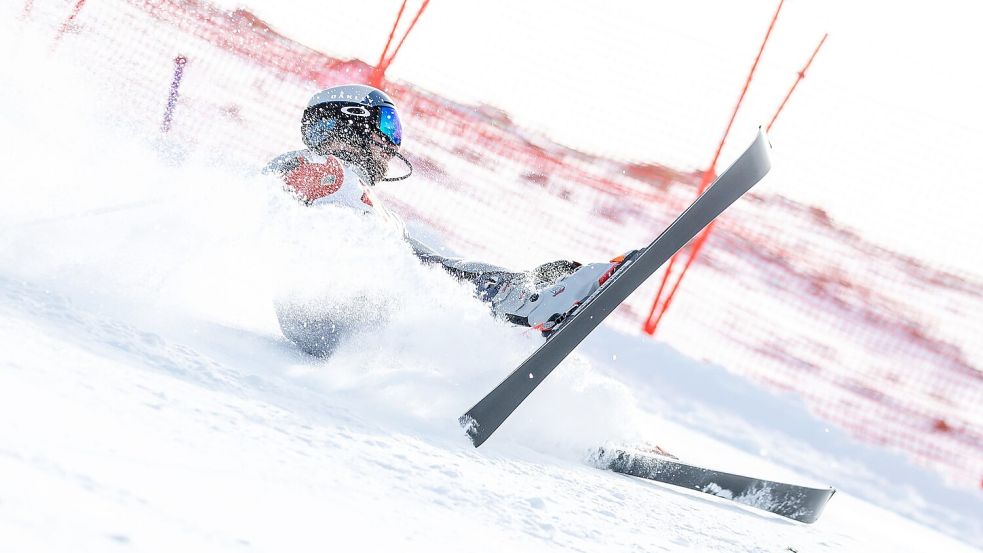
[[488, 414], [800, 503]]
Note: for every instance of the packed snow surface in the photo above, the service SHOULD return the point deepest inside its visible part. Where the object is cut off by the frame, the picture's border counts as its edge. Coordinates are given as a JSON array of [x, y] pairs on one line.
[[149, 402]]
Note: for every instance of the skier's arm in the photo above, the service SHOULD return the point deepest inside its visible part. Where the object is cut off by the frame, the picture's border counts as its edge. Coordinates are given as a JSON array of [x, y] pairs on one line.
[[319, 180], [310, 178]]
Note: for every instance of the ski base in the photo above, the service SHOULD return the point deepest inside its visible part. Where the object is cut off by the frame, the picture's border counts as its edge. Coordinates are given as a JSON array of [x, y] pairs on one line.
[[800, 503]]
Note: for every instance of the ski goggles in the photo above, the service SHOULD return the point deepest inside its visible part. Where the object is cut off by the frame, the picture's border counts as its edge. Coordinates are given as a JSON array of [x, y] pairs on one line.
[[389, 124], [324, 121]]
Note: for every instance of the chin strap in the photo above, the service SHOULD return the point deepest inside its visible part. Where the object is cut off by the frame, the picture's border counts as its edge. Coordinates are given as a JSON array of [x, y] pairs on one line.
[[408, 166], [357, 160]]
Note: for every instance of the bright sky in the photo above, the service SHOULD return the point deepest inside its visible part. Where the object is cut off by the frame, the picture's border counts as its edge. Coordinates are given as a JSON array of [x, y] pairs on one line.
[[886, 131]]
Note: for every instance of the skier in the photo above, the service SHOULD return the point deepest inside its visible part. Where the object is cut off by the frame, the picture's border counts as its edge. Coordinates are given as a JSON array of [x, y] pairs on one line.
[[352, 132]]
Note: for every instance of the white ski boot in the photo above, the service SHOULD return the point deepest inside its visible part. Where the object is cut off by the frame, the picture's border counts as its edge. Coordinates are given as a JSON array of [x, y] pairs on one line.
[[544, 297]]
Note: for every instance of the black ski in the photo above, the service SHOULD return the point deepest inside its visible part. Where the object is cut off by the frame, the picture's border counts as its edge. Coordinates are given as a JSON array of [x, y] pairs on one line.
[[489, 413], [799, 503]]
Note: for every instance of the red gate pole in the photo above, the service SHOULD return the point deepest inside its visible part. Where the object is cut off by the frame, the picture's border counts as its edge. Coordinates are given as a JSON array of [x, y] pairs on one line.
[[68, 22], [657, 311], [406, 34], [802, 75], [379, 71], [375, 79]]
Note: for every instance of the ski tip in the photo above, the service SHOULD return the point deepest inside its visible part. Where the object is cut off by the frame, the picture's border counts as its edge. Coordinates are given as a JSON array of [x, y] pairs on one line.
[[762, 144], [764, 136]]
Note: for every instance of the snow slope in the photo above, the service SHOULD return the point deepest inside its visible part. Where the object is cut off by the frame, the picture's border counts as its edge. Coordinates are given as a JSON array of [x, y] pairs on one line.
[[149, 403], [207, 437]]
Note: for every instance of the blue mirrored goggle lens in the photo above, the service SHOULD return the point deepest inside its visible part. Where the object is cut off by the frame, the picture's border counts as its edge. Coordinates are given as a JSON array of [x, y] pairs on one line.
[[389, 124]]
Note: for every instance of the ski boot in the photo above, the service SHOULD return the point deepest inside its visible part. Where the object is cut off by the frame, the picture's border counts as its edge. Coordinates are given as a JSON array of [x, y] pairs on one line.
[[545, 296]]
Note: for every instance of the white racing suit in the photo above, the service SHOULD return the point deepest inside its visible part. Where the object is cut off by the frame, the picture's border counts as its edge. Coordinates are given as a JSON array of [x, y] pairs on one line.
[[539, 298]]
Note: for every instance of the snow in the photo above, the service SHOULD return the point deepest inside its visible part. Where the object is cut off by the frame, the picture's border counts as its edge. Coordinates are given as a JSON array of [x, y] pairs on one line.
[[150, 404]]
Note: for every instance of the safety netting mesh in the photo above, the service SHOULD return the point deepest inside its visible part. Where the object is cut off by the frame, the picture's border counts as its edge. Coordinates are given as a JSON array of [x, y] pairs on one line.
[[877, 342]]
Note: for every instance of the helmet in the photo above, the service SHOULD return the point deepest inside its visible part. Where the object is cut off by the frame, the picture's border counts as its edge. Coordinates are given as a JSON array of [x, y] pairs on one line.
[[354, 114]]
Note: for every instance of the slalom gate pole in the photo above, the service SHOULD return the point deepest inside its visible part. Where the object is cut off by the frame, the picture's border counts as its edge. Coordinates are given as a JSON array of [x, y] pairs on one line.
[[406, 34], [68, 21], [375, 79], [802, 75], [172, 96], [379, 71], [657, 310]]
